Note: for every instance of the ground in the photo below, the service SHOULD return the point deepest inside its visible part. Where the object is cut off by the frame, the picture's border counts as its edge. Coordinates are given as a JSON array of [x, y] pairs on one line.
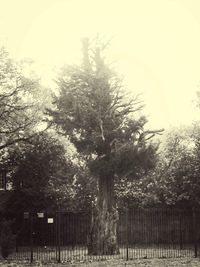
[[189, 262]]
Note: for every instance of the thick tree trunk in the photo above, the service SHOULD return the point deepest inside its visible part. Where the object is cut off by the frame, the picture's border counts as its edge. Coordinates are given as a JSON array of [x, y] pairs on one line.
[[102, 239]]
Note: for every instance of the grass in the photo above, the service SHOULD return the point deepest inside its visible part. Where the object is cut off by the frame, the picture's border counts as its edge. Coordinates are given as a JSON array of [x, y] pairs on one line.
[[189, 262], [155, 256]]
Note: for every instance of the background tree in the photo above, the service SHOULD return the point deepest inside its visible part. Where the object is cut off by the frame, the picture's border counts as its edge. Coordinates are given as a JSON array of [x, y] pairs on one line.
[[175, 179], [97, 115], [37, 170], [76, 194], [18, 112], [22, 104]]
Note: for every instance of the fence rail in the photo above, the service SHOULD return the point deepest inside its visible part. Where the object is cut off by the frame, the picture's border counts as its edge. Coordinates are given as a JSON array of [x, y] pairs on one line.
[[148, 233]]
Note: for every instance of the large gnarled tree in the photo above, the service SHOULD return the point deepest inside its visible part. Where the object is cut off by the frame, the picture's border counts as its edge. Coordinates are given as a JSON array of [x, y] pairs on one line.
[[94, 111]]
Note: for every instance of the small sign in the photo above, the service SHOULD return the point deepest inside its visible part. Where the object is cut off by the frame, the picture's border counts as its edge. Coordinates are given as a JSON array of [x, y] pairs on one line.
[[26, 215], [50, 220], [40, 215]]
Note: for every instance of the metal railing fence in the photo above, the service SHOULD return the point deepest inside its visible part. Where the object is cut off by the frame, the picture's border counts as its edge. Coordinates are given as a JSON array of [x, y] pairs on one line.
[[141, 233]]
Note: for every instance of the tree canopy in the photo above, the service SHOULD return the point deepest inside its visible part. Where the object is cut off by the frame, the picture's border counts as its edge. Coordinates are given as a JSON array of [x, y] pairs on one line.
[[37, 170], [177, 172], [175, 179], [94, 110], [18, 114]]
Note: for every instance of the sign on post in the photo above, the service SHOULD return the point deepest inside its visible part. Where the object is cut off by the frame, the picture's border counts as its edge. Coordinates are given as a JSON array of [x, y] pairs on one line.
[[50, 220], [40, 215]]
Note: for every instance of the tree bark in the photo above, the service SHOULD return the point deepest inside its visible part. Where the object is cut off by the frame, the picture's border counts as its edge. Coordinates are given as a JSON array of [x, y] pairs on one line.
[[102, 238]]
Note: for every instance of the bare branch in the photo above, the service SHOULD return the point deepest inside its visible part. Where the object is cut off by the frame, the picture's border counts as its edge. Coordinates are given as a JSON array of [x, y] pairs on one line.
[[102, 130], [9, 143]]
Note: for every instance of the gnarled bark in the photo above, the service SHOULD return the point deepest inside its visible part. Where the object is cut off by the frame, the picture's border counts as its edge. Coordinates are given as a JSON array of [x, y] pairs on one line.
[[102, 238]]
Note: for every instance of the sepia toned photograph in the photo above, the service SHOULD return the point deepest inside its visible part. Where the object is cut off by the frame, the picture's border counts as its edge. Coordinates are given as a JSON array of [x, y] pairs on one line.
[[99, 133]]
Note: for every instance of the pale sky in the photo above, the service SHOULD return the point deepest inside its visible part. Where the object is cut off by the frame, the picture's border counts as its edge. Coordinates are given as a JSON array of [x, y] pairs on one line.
[[155, 45]]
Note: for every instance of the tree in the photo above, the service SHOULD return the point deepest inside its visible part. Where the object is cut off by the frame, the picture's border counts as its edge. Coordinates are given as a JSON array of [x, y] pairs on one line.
[[175, 180], [37, 170], [18, 111], [97, 115], [75, 194]]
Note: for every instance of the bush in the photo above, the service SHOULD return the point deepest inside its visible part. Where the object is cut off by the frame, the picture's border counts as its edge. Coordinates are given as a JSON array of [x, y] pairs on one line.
[[7, 239]]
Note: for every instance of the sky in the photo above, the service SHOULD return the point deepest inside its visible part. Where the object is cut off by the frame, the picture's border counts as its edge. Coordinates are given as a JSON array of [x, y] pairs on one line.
[[155, 46]]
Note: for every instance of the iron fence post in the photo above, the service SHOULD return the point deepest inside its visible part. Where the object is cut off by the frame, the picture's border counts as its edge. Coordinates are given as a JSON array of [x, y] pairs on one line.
[[127, 256], [180, 231], [194, 231], [58, 238], [31, 235]]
